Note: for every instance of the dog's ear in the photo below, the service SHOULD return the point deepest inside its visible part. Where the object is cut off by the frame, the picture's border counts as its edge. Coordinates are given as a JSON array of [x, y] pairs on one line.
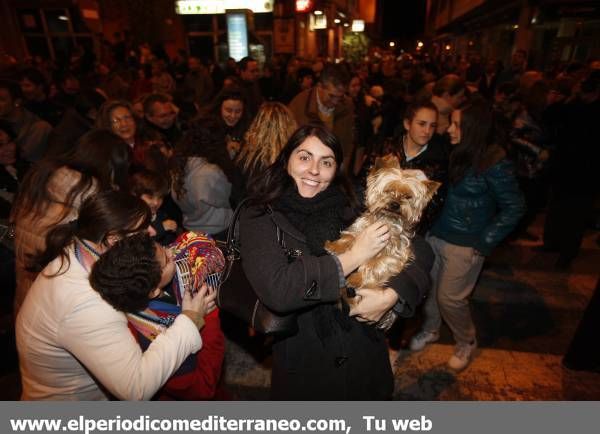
[[432, 187], [389, 161]]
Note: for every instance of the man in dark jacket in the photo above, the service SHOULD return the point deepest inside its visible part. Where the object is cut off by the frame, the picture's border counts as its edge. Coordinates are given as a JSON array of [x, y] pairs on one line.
[[327, 103], [249, 74], [160, 115]]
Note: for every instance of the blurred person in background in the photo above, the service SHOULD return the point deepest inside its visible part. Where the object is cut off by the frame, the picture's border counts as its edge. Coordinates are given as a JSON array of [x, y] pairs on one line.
[[32, 132]]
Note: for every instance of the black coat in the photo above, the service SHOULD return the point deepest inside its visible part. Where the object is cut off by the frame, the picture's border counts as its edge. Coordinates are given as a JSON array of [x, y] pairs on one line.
[[350, 364]]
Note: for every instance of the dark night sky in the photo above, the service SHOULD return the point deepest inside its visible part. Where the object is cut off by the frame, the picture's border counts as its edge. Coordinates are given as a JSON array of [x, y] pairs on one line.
[[403, 18]]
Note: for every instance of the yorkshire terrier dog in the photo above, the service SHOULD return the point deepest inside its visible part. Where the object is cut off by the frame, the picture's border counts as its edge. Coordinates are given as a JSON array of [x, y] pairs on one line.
[[396, 197]]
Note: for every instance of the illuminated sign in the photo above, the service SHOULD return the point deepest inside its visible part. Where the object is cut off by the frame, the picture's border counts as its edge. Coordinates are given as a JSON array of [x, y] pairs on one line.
[[358, 26], [237, 35], [199, 7], [317, 22], [304, 5]]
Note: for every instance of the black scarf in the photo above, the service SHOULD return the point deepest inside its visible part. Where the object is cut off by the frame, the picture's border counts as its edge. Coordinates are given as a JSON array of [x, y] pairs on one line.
[[319, 218]]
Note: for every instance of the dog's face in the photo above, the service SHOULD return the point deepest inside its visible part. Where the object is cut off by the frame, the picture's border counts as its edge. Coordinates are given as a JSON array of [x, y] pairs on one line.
[[397, 194]]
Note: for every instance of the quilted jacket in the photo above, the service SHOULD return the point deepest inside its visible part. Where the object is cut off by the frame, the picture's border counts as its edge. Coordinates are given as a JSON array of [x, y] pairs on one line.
[[482, 208]]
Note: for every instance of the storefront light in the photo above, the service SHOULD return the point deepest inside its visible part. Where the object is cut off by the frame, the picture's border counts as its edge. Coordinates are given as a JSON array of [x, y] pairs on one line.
[[358, 26], [337, 20], [207, 7], [318, 12], [304, 5]]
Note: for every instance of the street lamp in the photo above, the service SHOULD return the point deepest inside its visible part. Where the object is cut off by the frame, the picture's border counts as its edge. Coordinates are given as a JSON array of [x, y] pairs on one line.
[[392, 44]]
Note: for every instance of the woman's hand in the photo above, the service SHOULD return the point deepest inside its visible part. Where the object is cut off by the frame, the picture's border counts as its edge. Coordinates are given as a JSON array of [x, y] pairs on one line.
[[198, 306], [169, 225], [366, 245], [373, 304]]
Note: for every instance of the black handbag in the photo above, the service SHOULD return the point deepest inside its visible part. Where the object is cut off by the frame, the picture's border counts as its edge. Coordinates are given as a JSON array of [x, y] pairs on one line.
[[235, 294]]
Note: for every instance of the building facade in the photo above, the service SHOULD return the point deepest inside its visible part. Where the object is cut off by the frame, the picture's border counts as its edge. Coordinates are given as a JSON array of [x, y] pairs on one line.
[[550, 31], [54, 29]]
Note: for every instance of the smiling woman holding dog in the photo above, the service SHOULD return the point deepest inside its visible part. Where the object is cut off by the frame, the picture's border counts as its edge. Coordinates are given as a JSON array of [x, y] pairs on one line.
[[334, 355], [483, 205]]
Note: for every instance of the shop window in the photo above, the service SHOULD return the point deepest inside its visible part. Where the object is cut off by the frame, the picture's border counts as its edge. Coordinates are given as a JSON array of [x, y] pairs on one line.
[[30, 21], [63, 47], [77, 22], [263, 21], [57, 20], [201, 46], [198, 23], [222, 22], [53, 33]]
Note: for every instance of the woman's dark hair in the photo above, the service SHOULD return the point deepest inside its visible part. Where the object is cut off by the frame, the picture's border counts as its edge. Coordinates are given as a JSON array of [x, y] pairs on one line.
[[450, 83], [100, 157], [199, 141], [269, 186], [103, 119], [100, 216], [214, 110], [127, 273], [88, 100], [144, 181], [8, 129], [12, 88], [412, 109], [35, 76], [476, 136]]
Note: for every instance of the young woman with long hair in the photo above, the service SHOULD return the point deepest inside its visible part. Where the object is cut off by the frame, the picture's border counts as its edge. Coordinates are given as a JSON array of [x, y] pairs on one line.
[[270, 130], [228, 119], [72, 343], [483, 205], [335, 354], [52, 192]]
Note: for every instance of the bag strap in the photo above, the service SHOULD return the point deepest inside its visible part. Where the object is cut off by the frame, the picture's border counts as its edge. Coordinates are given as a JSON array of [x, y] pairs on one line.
[[233, 231]]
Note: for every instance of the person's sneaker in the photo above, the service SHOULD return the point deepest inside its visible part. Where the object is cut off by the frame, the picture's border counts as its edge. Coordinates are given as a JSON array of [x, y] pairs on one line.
[[421, 339], [462, 356]]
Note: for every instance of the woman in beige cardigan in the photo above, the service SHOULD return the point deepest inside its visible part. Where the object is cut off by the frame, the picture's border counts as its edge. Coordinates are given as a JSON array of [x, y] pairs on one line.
[[52, 192]]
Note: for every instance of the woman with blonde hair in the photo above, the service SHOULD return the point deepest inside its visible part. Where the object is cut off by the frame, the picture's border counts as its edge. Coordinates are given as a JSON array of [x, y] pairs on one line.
[[270, 130]]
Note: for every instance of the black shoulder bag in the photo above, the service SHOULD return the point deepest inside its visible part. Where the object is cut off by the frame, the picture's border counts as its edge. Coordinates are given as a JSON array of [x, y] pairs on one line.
[[236, 295]]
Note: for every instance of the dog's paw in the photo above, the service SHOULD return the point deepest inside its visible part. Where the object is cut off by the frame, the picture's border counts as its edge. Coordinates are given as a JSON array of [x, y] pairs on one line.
[[334, 247], [341, 245], [355, 280]]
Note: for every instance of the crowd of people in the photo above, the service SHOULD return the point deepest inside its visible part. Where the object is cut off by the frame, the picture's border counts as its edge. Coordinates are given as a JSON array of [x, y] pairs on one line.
[[104, 165]]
